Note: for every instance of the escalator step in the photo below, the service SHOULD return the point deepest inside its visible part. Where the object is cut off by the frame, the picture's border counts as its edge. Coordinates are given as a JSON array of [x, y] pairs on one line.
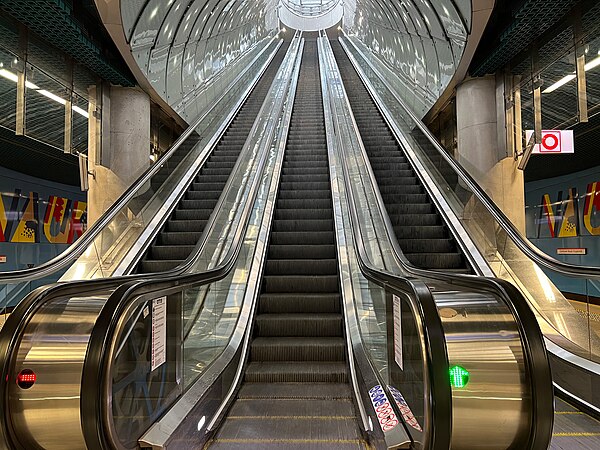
[[285, 432], [302, 237], [299, 303], [436, 260], [202, 194], [390, 192], [306, 194], [299, 186], [198, 204], [303, 324], [310, 214], [300, 252], [185, 225], [281, 348], [321, 178], [427, 245], [302, 225], [421, 232], [301, 283], [410, 208], [312, 391], [413, 219], [193, 214], [172, 252], [181, 238], [304, 203], [317, 267], [297, 371], [285, 407], [150, 266]]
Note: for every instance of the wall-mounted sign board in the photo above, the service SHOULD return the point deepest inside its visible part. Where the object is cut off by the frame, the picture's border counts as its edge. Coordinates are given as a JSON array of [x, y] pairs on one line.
[[554, 142]]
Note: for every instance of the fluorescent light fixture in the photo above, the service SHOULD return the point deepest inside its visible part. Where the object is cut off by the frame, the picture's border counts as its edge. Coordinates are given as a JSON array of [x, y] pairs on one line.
[[9, 75], [558, 84], [81, 111], [52, 96], [589, 66], [14, 78], [592, 64]]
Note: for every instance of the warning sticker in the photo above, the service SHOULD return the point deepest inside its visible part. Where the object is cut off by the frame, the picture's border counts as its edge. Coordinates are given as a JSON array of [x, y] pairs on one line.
[[398, 332], [159, 332]]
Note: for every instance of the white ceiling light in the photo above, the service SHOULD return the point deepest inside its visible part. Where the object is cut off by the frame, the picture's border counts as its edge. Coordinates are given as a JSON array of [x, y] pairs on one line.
[[559, 83], [589, 66], [14, 78]]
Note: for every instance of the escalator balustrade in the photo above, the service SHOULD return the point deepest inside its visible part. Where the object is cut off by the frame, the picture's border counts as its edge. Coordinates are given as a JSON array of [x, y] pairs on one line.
[[422, 235], [180, 234]]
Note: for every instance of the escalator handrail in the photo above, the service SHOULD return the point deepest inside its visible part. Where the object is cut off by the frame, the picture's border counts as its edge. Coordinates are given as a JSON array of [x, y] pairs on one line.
[[80, 245], [437, 363], [529, 330], [96, 363], [15, 325], [572, 270]]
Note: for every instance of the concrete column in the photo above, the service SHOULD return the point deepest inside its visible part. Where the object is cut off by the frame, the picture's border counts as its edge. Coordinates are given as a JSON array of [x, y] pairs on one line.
[[482, 147], [125, 148]]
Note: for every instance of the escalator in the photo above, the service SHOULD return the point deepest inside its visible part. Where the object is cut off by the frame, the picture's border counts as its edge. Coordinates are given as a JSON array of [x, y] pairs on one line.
[[422, 235], [573, 428], [292, 372], [178, 237], [296, 390]]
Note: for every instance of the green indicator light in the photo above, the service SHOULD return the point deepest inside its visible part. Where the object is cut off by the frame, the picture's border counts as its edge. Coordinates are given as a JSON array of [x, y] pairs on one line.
[[459, 377]]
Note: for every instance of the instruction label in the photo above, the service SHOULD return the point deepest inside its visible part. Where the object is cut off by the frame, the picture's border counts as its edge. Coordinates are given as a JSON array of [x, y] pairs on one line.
[[159, 332], [398, 332]]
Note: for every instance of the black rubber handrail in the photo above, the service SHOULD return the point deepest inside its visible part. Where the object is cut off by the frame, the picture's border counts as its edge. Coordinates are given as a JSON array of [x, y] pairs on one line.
[[538, 366]]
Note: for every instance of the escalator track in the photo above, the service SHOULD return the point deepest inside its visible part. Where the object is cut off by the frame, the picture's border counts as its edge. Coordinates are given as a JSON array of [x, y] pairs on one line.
[[422, 235], [296, 392], [179, 235]]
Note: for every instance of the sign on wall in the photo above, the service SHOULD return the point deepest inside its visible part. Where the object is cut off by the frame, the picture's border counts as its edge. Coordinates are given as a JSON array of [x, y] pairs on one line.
[[554, 142], [563, 219]]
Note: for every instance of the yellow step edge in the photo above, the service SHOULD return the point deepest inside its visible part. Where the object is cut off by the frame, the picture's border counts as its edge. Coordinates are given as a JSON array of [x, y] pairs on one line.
[[293, 417], [574, 434]]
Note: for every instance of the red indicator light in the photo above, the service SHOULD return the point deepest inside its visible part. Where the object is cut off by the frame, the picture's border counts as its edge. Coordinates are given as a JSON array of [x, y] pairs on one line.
[[26, 378]]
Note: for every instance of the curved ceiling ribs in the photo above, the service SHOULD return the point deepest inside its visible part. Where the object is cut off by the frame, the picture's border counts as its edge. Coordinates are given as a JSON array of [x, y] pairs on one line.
[[420, 41], [183, 46]]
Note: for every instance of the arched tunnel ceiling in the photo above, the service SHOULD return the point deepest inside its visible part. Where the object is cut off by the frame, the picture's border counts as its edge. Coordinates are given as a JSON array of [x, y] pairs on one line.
[[181, 45], [420, 41]]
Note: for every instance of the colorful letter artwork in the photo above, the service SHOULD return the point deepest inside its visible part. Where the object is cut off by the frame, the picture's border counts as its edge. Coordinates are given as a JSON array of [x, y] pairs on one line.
[[31, 219], [564, 217]]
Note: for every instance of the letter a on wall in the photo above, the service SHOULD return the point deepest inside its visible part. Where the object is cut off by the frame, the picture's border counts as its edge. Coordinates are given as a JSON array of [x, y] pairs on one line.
[[569, 224], [592, 208]]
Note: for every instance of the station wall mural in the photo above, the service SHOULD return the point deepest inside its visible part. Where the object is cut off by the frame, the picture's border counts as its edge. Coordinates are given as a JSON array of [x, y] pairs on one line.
[[563, 220], [38, 219]]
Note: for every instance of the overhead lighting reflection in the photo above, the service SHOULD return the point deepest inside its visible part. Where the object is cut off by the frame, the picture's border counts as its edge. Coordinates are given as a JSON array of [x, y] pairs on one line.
[[13, 77], [7, 74], [559, 83], [566, 79]]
